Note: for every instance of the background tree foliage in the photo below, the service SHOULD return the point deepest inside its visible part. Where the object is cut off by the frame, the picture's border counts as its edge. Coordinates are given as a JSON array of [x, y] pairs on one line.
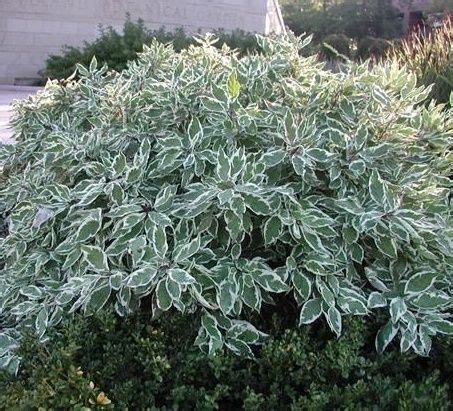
[[354, 18], [437, 6]]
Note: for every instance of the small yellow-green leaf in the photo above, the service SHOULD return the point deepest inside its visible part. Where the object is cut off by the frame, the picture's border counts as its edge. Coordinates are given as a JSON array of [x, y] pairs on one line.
[[233, 85]]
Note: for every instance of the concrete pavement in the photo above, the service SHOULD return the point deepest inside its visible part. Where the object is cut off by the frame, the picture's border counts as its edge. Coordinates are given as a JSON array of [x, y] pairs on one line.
[[7, 95]]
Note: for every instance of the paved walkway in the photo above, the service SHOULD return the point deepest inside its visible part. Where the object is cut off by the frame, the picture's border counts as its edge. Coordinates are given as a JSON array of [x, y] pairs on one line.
[[7, 95]]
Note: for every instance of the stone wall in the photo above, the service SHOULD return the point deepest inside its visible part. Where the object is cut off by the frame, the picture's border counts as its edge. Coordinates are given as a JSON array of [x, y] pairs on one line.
[[30, 30]]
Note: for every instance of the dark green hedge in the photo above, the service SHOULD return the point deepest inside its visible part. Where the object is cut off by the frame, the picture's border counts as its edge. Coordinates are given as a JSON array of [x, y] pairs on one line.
[[116, 49], [138, 364]]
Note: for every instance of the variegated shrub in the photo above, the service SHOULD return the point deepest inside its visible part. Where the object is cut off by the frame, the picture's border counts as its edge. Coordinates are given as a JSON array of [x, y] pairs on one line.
[[205, 181]]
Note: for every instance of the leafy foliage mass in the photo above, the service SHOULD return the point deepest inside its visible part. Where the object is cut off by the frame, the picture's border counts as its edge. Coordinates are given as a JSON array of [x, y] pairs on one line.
[[353, 18], [116, 49], [205, 181], [336, 46], [372, 47], [103, 362]]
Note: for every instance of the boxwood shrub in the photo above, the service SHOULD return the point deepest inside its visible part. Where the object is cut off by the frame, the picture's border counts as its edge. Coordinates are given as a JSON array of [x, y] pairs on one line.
[[105, 362], [116, 49], [374, 48], [203, 181]]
